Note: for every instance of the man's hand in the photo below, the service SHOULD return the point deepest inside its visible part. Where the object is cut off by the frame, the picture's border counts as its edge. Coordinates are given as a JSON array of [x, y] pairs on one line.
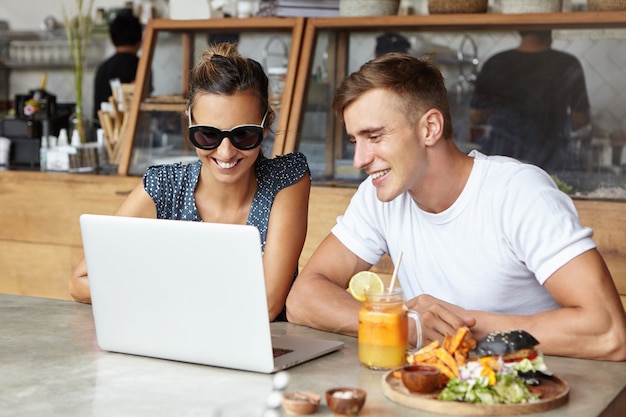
[[438, 318]]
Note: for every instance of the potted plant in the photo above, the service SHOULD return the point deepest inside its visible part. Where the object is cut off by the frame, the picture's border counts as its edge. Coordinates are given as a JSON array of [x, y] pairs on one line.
[[78, 26]]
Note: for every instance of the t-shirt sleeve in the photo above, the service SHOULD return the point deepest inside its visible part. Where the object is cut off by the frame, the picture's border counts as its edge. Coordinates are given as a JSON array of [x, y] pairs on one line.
[[543, 227], [360, 228]]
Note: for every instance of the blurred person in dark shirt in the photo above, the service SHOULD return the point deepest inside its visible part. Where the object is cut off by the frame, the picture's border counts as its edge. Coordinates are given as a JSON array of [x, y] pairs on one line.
[[532, 98], [391, 42], [125, 32]]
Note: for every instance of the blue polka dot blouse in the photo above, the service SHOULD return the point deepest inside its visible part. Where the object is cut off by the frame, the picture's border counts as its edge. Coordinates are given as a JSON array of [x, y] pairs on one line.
[[172, 188]]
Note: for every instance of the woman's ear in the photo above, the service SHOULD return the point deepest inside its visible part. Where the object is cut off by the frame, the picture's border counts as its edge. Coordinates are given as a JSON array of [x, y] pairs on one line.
[[433, 120]]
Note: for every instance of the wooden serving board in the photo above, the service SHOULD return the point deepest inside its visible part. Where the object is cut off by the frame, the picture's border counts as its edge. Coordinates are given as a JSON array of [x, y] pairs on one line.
[[554, 393]]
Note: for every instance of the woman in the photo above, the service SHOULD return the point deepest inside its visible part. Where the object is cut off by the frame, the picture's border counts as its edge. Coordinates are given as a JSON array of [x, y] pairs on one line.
[[232, 182]]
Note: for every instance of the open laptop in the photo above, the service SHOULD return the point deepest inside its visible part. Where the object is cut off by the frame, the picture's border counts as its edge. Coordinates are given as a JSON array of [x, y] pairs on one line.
[[186, 291]]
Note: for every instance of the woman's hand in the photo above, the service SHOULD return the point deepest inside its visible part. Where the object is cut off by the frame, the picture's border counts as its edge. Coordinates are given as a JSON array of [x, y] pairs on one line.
[[79, 284]]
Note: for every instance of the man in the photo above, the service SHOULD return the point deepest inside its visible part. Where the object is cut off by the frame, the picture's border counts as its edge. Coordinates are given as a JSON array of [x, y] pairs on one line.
[[125, 32], [534, 100], [487, 242], [391, 42]]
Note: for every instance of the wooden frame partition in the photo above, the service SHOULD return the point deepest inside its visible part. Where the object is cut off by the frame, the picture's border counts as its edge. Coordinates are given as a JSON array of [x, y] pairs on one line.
[[188, 28]]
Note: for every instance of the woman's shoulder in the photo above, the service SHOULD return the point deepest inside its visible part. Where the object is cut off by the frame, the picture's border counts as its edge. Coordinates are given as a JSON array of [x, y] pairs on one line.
[[290, 164], [287, 160], [172, 169], [281, 171], [177, 172]]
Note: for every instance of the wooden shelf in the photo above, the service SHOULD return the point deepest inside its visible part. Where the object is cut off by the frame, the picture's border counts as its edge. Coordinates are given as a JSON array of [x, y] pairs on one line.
[[174, 103], [179, 107], [475, 21]]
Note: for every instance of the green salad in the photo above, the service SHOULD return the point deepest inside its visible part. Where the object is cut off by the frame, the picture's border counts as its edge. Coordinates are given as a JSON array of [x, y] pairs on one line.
[[489, 381]]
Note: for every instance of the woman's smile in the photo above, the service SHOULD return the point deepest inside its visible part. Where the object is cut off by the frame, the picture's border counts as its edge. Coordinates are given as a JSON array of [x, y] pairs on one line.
[[226, 165]]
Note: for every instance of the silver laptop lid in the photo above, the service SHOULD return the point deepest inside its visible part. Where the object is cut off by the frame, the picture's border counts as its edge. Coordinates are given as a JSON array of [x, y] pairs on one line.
[[187, 291]]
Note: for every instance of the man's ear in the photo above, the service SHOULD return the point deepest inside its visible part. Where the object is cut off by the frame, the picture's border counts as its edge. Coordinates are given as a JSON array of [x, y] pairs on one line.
[[433, 120]]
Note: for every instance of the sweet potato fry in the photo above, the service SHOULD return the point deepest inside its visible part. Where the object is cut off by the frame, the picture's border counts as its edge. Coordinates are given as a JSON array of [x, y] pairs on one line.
[[457, 339], [446, 342], [448, 356], [423, 357], [445, 371], [448, 360], [460, 358], [431, 346], [467, 345]]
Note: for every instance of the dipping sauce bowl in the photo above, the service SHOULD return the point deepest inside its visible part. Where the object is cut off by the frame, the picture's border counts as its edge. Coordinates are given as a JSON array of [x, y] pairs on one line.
[[301, 402], [345, 401], [421, 379]]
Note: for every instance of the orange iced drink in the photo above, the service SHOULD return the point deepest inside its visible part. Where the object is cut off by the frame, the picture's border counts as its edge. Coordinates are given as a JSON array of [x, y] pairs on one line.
[[383, 330]]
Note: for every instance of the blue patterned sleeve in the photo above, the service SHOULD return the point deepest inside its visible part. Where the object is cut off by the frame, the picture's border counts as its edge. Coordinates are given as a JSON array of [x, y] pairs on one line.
[[282, 171], [274, 175], [171, 188], [157, 181]]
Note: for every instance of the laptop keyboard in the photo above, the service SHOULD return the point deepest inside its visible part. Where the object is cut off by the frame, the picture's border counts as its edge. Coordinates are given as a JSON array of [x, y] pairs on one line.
[[280, 352]]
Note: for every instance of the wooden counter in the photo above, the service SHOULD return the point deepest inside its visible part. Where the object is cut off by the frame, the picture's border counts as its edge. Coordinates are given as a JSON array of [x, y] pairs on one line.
[[40, 241]]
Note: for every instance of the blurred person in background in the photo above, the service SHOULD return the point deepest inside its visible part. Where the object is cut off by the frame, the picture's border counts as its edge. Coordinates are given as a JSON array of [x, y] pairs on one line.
[[125, 32], [533, 101], [391, 42]]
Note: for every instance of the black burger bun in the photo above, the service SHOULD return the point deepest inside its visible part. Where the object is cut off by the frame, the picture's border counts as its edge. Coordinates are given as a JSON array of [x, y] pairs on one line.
[[512, 344]]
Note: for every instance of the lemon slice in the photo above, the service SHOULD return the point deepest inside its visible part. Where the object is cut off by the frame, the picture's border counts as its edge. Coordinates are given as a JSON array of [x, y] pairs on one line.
[[364, 281]]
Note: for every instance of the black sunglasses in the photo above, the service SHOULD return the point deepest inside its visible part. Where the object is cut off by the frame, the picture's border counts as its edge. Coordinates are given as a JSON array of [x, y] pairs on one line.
[[243, 137]]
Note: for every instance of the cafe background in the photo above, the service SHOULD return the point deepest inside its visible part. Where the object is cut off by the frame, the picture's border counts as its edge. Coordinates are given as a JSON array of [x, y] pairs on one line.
[[50, 231], [602, 53]]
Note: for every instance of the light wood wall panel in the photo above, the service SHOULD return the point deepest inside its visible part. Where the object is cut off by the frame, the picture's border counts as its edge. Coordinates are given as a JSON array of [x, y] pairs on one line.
[[40, 241]]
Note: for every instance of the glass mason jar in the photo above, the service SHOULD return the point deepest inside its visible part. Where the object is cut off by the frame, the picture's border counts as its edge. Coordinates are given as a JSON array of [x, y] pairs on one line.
[[383, 333]]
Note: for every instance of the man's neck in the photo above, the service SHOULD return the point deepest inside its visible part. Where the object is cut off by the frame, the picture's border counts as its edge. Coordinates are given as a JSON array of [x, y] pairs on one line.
[[126, 49], [532, 44], [450, 171]]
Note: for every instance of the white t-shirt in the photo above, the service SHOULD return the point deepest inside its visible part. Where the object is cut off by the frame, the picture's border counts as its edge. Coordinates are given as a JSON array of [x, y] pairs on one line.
[[492, 250]]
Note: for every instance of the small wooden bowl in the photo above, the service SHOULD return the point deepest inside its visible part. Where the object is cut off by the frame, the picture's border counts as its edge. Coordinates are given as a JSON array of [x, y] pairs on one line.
[[301, 402], [345, 401], [421, 379]]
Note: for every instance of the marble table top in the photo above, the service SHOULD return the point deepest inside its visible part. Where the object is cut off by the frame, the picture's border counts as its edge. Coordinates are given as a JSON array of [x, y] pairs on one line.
[[51, 365]]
